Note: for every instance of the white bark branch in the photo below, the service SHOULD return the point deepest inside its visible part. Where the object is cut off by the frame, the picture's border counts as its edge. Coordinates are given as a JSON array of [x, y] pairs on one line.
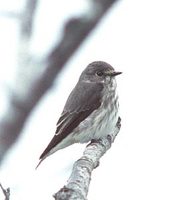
[[78, 184]]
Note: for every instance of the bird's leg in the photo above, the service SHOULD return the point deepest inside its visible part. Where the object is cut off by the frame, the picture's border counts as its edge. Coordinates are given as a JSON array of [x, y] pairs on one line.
[[118, 124]]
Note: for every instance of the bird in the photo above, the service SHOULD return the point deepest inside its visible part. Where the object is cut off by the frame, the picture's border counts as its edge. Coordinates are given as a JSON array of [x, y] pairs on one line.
[[91, 110]]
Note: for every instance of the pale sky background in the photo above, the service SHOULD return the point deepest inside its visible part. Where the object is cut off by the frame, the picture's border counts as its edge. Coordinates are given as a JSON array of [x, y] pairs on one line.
[[145, 40]]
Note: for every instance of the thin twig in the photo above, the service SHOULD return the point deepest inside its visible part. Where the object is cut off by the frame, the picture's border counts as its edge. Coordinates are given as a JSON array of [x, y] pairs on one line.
[[6, 192]]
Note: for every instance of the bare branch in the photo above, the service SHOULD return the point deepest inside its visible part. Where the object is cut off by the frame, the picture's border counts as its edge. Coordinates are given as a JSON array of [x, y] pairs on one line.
[[76, 30], [6, 192], [10, 14], [27, 18], [78, 183]]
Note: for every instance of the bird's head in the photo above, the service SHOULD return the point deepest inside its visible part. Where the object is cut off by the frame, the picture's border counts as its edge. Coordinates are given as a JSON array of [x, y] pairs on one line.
[[99, 71]]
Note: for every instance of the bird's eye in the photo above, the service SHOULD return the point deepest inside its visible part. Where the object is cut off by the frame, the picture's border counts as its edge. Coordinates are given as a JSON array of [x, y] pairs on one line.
[[99, 73]]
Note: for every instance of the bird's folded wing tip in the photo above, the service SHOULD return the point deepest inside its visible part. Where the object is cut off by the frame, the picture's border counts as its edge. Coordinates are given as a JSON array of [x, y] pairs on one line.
[[38, 164]]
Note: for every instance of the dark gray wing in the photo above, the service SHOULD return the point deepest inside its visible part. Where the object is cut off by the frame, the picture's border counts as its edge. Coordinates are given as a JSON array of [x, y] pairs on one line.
[[83, 100]]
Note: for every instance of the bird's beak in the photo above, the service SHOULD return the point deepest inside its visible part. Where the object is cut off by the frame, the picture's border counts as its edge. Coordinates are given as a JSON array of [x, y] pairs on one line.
[[112, 73], [115, 73]]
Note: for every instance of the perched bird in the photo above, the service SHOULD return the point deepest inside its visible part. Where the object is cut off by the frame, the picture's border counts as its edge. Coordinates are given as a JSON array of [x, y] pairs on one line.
[[91, 110]]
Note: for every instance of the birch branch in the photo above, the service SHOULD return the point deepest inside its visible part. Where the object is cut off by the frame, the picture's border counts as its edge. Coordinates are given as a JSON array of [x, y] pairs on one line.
[[78, 184], [22, 103]]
